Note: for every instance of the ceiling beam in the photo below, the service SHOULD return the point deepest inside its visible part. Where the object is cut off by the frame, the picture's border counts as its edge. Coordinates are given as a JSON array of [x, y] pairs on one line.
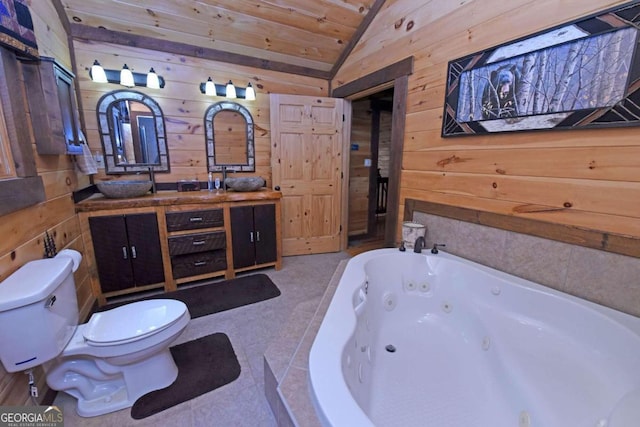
[[375, 8], [85, 32]]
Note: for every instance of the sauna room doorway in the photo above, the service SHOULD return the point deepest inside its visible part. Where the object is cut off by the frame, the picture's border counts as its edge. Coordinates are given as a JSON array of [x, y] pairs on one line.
[[369, 154]]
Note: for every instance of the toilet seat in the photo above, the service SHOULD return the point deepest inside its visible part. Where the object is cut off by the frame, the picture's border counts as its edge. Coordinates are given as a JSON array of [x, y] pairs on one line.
[[116, 326]]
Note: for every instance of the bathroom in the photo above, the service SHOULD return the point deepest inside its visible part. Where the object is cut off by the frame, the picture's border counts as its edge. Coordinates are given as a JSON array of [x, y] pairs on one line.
[[575, 187]]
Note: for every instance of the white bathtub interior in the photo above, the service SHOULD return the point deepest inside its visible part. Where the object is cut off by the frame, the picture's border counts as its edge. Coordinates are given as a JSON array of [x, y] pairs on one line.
[[435, 340]]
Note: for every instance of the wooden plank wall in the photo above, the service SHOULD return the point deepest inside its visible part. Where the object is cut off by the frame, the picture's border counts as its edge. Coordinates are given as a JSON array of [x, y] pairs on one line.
[[358, 173], [384, 148], [182, 103], [585, 179], [23, 231], [184, 108]]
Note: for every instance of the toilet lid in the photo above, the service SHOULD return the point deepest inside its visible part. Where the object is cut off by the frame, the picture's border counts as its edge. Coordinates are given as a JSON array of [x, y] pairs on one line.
[[131, 322]]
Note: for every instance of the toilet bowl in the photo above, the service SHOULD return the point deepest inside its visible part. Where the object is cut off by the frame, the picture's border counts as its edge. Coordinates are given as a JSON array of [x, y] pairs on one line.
[[120, 355], [107, 363]]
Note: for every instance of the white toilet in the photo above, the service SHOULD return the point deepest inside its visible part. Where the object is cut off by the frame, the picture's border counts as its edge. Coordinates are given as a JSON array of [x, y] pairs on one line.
[[106, 363]]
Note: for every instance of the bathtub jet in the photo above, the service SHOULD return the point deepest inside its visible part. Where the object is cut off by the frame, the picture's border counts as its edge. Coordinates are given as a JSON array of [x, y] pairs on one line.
[[472, 346]]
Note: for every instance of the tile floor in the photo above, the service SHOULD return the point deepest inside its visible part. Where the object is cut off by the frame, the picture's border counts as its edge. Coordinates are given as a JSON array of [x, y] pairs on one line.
[[250, 329]]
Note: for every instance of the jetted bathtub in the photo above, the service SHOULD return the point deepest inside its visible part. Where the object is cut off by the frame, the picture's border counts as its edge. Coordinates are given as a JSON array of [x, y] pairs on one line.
[[439, 341]]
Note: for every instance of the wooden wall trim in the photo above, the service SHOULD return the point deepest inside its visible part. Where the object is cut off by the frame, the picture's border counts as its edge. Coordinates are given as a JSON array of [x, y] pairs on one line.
[[398, 118], [64, 20], [595, 239], [399, 73], [62, 16], [85, 32], [386, 74], [375, 8]]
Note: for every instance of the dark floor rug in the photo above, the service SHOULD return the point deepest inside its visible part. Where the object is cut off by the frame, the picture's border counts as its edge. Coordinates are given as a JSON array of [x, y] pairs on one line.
[[212, 297], [203, 365]]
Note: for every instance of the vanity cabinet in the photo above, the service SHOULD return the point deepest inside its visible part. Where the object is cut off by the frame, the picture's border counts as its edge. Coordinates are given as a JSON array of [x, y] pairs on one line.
[[127, 251], [52, 106], [186, 237], [200, 252], [253, 230]]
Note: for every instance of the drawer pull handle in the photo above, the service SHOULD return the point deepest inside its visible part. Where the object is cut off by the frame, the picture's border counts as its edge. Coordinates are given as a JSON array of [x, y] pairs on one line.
[[134, 254], [198, 242], [199, 263], [257, 236], [125, 253], [195, 219]]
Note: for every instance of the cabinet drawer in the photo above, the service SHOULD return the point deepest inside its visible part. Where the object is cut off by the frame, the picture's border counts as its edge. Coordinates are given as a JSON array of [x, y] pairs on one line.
[[191, 220], [197, 242], [199, 263]]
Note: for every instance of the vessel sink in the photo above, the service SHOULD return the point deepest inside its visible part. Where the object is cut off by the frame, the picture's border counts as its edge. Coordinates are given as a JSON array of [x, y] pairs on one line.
[[251, 183], [124, 189]]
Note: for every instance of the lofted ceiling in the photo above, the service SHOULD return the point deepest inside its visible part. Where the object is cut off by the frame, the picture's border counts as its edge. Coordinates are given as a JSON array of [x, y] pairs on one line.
[[309, 37]]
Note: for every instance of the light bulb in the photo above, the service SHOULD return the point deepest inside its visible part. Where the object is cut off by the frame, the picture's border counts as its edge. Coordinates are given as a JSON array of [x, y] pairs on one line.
[[210, 88], [231, 90], [152, 79], [97, 73], [126, 77], [249, 93]]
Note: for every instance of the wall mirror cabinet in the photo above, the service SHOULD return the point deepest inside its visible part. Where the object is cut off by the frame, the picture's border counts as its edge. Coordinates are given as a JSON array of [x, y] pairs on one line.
[[230, 138], [52, 103], [133, 133]]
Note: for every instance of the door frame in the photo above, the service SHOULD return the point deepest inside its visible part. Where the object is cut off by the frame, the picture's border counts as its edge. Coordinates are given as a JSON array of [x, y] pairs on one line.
[[397, 76]]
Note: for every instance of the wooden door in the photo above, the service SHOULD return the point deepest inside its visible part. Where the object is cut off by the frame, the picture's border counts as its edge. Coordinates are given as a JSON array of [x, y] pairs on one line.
[[306, 158], [264, 220], [242, 236], [111, 248], [144, 246]]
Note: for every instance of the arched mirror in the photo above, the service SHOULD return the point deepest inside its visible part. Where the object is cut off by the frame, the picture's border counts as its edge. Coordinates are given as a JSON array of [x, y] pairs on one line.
[[133, 134], [229, 135]]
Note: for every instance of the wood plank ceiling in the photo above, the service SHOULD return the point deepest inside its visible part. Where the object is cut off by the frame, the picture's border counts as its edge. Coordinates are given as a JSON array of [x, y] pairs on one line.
[[310, 37]]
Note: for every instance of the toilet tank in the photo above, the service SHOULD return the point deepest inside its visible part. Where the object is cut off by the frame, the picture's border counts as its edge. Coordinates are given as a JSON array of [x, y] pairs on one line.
[[38, 313]]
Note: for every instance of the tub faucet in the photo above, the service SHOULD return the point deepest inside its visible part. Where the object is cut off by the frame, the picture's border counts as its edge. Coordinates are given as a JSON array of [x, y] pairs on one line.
[[434, 250], [418, 245]]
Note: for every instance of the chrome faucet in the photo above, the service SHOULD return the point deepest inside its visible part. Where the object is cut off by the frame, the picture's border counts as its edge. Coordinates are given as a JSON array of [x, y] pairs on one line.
[[224, 178], [418, 245], [152, 178]]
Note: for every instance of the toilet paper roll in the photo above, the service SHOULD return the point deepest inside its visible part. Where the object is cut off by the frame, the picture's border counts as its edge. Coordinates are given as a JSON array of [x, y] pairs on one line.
[[75, 256]]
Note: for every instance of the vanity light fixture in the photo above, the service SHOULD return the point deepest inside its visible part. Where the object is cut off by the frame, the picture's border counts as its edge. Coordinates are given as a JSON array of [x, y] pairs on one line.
[[210, 87], [152, 79], [97, 73], [249, 93], [229, 90], [125, 77]]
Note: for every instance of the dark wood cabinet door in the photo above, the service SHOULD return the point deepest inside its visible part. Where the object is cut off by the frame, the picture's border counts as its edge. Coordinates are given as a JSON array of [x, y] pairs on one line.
[[264, 220], [242, 236], [111, 248], [144, 246]]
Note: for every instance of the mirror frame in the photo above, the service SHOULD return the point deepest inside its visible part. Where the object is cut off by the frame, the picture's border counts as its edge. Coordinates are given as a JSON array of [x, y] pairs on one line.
[[214, 109], [105, 129]]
